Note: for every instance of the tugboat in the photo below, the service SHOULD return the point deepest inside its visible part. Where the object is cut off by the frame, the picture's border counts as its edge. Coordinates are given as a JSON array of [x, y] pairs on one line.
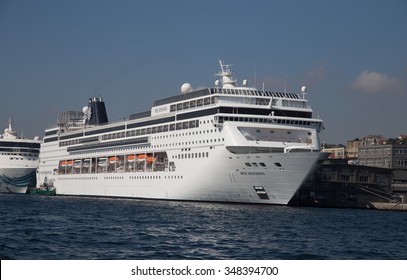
[[46, 188]]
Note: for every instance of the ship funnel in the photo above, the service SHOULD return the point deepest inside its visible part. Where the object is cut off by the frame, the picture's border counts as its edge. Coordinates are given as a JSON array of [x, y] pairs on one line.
[[96, 112]]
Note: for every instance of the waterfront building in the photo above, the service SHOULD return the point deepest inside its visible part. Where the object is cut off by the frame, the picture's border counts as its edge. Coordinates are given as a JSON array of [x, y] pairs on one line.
[[339, 184], [373, 169], [393, 156], [386, 156], [352, 148]]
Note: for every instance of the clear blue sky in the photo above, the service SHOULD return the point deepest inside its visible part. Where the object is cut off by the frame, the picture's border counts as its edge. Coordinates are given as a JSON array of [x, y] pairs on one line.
[[352, 56]]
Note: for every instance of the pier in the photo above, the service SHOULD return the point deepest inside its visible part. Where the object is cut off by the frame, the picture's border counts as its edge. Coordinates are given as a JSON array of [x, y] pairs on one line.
[[390, 206]]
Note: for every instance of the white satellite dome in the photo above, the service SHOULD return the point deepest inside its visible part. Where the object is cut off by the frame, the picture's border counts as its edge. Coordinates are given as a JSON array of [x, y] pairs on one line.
[[85, 109], [185, 88]]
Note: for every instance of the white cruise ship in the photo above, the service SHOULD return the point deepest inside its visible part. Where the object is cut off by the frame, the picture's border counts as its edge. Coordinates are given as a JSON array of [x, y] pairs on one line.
[[18, 161], [228, 143]]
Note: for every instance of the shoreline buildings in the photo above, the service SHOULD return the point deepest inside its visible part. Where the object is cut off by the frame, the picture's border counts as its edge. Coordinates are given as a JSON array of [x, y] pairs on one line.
[[366, 170]]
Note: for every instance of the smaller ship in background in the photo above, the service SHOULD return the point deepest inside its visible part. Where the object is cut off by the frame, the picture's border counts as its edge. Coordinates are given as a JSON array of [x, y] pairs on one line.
[[18, 161]]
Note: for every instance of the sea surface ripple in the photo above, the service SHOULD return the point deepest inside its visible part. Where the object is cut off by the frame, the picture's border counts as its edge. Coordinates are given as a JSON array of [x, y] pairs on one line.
[[38, 227]]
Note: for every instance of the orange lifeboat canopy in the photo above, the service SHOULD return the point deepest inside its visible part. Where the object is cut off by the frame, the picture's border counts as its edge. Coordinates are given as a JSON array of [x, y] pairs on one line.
[[141, 157], [113, 159]]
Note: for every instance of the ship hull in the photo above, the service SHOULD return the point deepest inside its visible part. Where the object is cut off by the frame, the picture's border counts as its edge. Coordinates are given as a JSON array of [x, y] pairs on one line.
[[17, 180], [270, 179]]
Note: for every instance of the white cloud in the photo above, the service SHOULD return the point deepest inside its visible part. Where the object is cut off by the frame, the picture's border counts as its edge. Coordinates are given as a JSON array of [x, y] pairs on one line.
[[374, 82]]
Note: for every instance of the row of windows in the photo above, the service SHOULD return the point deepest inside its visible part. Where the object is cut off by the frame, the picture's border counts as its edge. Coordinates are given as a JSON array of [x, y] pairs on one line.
[[19, 145], [375, 151], [382, 151], [192, 104], [12, 158], [254, 164], [122, 178], [400, 151], [401, 162], [208, 141], [182, 134], [157, 129], [19, 154], [192, 155], [348, 178], [156, 177], [77, 178], [213, 100], [263, 120], [114, 178], [374, 162], [137, 132], [294, 104], [186, 133]]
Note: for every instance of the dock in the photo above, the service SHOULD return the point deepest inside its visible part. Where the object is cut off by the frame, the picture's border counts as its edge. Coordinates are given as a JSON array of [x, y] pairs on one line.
[[390, 206]]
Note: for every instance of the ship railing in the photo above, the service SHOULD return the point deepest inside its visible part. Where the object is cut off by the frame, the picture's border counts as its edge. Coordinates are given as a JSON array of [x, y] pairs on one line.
[[253, 92]]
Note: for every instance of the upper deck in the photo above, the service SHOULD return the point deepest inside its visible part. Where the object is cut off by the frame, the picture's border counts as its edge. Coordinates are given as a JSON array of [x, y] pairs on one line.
[[234, 97], [224, 100]]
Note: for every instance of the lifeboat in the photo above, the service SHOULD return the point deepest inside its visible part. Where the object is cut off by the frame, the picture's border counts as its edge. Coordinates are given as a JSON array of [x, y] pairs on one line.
[[63, 163], [150, 160], [141, 157], [77, 163], [131, 158], [86, 162], [113, 159], [70, 162], [102, 162]]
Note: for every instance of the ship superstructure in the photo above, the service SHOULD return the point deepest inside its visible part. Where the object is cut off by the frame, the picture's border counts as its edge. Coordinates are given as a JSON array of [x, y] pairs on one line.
[[18, 161], [225, 144]]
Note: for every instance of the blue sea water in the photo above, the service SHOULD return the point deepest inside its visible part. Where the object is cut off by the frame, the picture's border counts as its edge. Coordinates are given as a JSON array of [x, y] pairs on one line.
[[39, 227]]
